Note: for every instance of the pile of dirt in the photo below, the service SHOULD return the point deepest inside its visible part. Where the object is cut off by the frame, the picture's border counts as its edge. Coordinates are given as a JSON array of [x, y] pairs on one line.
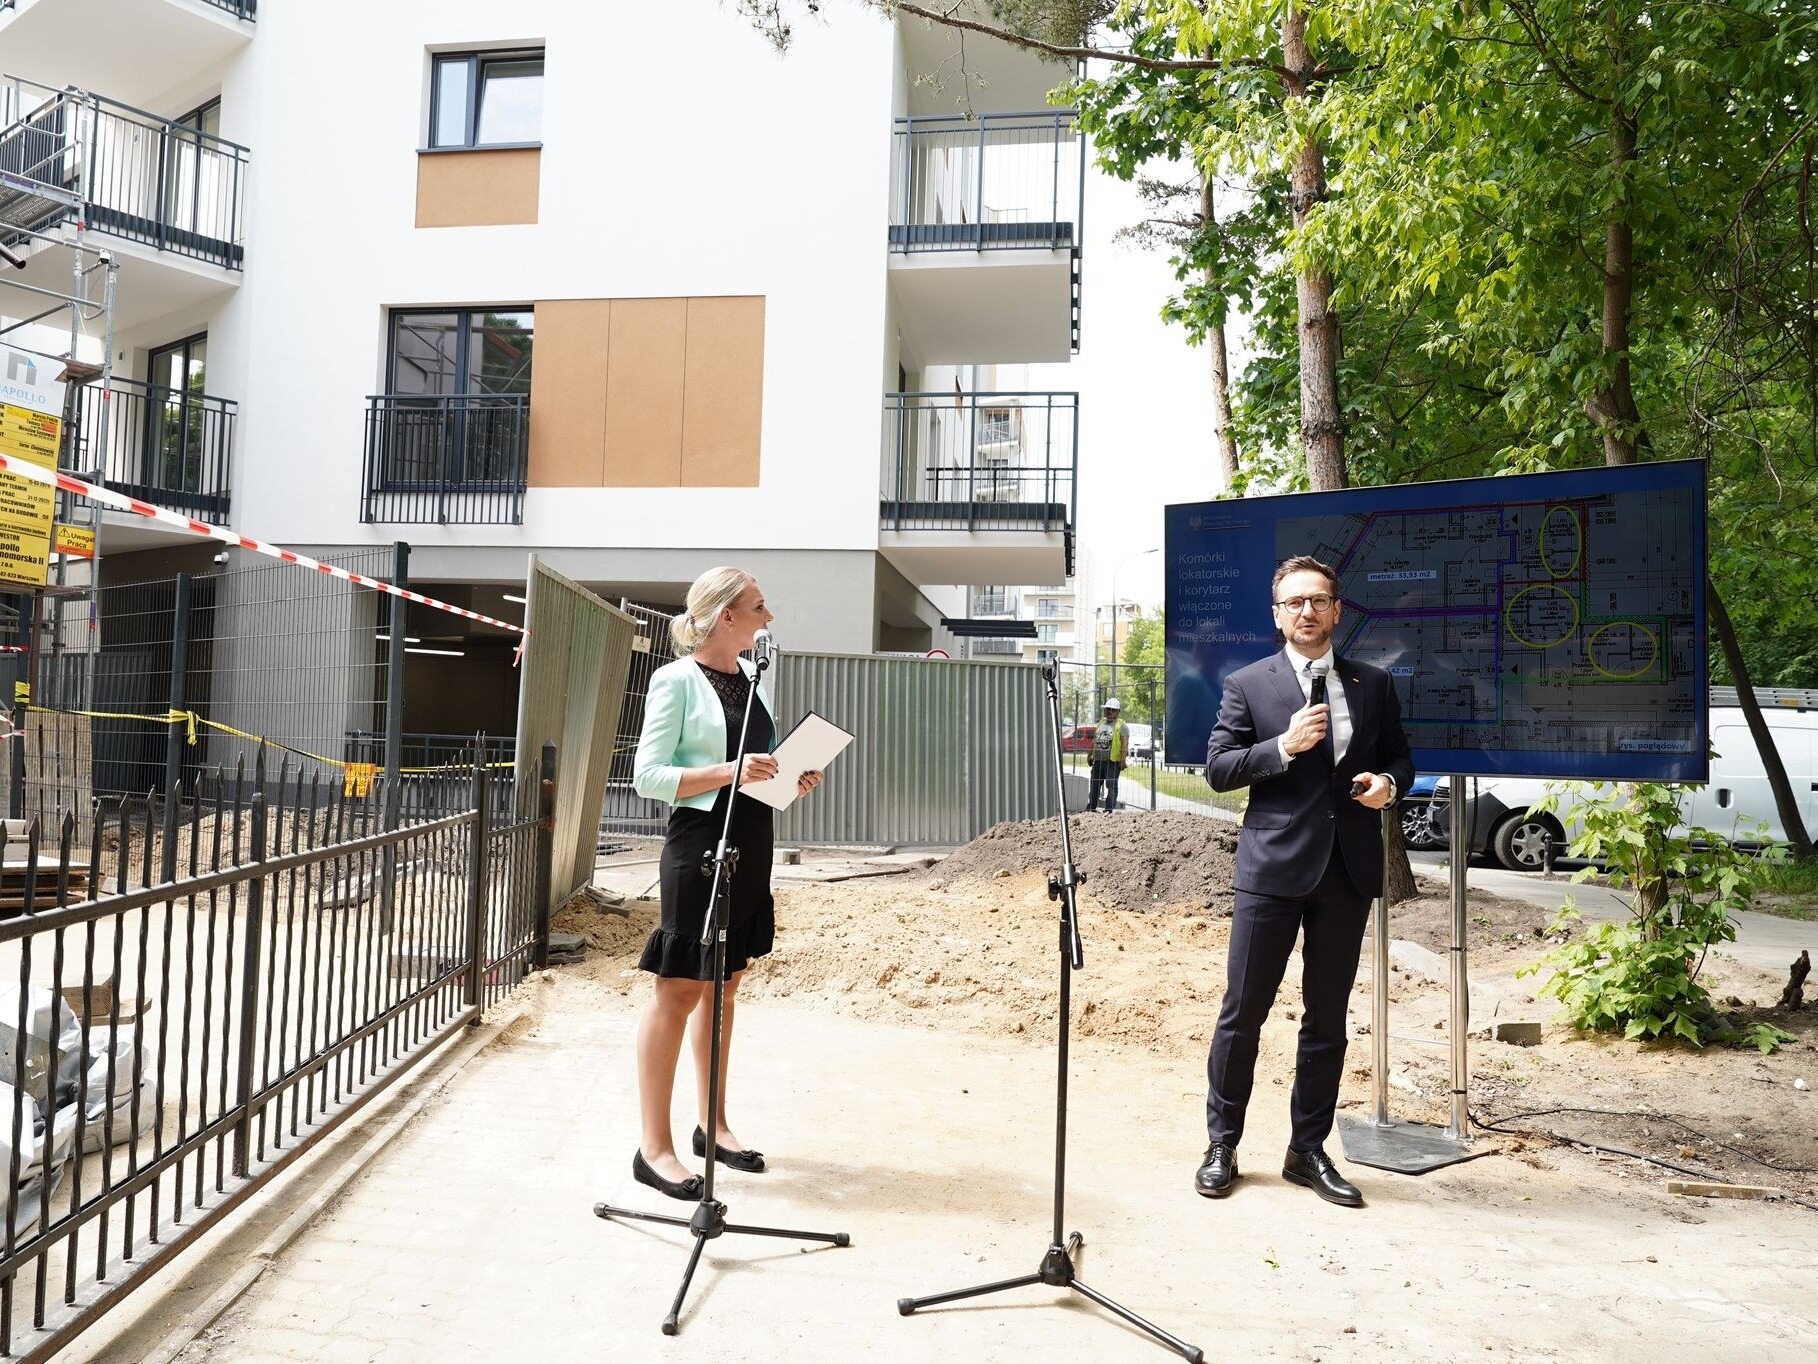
[[1131, 860]]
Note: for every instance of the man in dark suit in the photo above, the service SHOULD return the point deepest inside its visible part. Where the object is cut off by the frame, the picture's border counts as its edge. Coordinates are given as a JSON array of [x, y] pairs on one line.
[[1318, 740]]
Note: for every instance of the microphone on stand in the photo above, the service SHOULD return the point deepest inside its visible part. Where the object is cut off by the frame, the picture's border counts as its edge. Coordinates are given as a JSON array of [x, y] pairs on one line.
[[762, 649], [1320, 667]]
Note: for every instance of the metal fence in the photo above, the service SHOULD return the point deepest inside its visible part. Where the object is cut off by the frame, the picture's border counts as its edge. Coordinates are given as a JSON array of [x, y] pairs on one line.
[[994, 181], [446, 459], [171, 446], [244, 656], [196, 1007], [944, 749], [130, 173], [1141, 689]]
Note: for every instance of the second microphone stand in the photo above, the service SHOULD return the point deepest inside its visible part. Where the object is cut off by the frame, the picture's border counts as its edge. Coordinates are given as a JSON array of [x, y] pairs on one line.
[[709, 1218], [1057, 1268]]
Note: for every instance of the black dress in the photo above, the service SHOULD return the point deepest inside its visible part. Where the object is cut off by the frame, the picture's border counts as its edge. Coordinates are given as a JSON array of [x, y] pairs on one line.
[[675, 949]]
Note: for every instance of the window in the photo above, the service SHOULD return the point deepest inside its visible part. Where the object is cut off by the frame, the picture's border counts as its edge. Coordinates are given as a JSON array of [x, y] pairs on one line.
[[461, 351], [174, 434], [1048, 656], [486, 99], [457, 399]]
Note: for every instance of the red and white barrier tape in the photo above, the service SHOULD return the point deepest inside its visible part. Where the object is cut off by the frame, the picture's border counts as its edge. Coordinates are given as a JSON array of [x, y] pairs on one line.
[[108, 498]]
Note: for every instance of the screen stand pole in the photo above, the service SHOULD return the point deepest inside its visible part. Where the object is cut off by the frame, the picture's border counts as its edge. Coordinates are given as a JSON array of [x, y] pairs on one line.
[[1411, 1148], [1379, 987], [1460, 1128]]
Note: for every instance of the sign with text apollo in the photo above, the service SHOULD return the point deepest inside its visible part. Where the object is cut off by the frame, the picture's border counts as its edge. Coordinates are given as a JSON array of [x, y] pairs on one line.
[[31, 429], [1545, 625]]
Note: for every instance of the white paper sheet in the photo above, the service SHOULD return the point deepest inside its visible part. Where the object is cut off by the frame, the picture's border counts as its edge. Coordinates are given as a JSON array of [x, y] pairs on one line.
[[809, 747]]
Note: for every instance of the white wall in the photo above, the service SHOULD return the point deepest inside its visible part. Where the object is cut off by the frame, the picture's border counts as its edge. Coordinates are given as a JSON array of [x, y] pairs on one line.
[[681, 157]]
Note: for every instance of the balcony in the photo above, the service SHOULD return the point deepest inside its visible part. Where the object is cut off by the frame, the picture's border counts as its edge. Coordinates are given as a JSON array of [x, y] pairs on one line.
[[446, 459], [985, 228], [979, 488], [169, 196], [136, 50], [171, 447]]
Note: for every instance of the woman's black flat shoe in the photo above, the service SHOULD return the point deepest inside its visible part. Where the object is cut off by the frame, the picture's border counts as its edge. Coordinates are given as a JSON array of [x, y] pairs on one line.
[[689, 1189], [751, 1162]]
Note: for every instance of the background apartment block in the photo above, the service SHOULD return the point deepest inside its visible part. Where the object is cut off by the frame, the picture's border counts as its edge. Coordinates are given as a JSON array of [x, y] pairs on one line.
[[541, 278]]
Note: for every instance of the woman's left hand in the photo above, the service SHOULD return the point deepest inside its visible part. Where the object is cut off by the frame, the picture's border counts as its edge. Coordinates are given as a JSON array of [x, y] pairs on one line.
[[807, 782]]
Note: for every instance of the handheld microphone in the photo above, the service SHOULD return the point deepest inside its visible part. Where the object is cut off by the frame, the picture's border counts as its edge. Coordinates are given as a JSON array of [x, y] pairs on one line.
[[761, 647], [1320, 668]]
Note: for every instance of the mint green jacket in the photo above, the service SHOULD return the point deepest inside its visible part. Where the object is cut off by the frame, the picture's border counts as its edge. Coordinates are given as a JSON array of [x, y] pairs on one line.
[[684, 726]]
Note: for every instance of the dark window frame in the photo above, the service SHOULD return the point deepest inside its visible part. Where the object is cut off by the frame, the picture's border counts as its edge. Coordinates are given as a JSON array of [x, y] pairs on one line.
[[152, 449], [465, 319], [476, 63]]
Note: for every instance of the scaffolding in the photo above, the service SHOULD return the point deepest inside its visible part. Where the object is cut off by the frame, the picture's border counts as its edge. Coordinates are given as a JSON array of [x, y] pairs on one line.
[[84, 310]]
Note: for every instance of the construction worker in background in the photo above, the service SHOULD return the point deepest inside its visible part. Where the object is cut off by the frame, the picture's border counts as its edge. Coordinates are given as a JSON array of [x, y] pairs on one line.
[[1110, 750]]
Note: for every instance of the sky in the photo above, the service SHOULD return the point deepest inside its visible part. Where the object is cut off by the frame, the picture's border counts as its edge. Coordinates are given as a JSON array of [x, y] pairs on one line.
[[1144, 398]]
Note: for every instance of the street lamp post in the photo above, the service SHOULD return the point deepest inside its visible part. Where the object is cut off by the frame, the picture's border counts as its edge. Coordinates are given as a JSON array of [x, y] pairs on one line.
[[1153, 549]]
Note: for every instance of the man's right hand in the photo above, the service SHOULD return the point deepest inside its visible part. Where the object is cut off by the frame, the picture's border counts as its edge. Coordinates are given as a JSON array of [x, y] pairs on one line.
[[1307, 729]]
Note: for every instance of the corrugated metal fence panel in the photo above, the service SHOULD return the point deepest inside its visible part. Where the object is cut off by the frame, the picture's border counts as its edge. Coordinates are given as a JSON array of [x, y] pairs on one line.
[[943, 749], [573, 688]]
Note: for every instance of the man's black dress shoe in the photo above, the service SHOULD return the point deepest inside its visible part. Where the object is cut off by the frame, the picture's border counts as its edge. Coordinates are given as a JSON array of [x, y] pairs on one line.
[[1218, 1174], [689, 1189], [1316, 1171], [752, 1162]]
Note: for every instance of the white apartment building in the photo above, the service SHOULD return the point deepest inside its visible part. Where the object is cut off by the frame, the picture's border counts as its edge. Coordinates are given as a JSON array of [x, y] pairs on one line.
[[610, 283]]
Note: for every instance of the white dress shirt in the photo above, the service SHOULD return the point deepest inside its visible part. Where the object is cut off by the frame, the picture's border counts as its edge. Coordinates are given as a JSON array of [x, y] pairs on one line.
[[1338, 721]]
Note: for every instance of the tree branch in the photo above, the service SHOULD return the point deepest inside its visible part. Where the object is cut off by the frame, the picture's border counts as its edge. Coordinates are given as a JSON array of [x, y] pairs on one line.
[[949, 18]]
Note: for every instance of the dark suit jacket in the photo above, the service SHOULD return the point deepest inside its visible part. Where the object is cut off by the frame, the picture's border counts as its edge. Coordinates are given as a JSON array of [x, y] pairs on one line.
[[1297, 811]]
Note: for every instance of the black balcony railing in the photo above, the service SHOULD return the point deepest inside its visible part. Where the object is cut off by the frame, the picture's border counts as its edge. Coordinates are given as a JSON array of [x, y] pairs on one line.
[[998, 181], [129, 173], [240, 9], [170, 446], [980, 461], [447, 459]]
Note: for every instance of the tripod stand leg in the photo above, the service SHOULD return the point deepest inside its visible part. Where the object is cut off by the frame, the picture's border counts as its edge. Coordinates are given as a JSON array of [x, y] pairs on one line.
[[832, 1238], [671, 1322], [1175, 1343], [908, 1305], [608, 1211]]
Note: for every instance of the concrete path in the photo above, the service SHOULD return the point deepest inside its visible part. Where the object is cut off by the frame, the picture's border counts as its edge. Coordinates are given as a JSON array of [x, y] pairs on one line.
[[474, 1237]]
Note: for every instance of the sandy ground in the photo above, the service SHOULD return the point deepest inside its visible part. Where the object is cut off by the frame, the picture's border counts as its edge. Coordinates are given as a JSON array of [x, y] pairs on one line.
[[896, 1060]]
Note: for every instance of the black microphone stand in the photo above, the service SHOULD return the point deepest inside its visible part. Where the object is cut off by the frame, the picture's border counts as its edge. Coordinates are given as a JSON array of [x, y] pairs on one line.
[[1057, 1267], [709, 1218]]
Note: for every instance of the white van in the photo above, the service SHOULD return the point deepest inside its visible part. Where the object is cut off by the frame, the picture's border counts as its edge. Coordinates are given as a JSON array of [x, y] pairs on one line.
[[1736, 803]]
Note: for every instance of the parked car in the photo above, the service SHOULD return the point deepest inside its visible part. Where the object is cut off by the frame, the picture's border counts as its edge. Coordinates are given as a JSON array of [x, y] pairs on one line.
[[1142, 742], [1078, 739], [1736, 802]]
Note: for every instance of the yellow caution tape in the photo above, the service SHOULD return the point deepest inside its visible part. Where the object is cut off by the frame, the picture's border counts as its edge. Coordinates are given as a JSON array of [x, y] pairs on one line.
[[190, 719]]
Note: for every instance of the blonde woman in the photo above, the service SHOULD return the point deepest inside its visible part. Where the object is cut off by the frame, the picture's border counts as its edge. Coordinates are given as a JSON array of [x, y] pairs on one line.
[[692, 714]]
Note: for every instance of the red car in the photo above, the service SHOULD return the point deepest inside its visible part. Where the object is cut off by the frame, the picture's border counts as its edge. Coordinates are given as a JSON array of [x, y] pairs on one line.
[[1078, 739]]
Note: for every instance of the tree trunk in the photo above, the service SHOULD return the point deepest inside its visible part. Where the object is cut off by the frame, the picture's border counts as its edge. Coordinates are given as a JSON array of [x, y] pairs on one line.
[[1322, 434], [1613, 408], [1224, 440], [1786, 804], [1398, 875]]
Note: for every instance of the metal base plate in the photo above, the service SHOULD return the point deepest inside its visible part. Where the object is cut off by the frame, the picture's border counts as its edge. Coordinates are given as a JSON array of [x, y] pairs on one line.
[[1407, 1148]]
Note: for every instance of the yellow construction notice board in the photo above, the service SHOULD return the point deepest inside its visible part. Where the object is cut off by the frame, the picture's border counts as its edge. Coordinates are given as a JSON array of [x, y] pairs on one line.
[[31, 429]]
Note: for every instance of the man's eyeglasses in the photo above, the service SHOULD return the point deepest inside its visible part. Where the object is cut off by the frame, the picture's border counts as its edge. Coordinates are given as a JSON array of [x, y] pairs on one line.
[[1295, 605]]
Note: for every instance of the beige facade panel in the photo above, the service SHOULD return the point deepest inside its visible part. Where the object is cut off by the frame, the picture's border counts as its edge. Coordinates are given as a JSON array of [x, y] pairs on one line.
[[723, 411], [568, 393], [482, 188], [644, 391], [647, 393]]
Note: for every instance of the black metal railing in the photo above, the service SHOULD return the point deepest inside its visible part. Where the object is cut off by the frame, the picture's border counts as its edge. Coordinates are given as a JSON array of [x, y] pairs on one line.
[[994, 182], [171, 446], [200, 1001], [980, 461], [447, 459], [240, 9], [133, 174], [996, 648]]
